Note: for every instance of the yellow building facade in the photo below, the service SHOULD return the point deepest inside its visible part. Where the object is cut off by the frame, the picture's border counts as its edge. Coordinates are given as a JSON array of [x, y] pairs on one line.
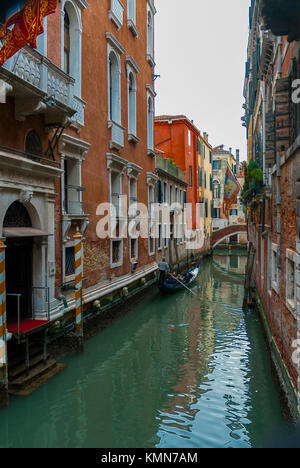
[[205, 160]]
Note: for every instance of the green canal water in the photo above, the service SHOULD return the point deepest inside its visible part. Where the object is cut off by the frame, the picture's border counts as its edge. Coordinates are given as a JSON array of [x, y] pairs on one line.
[[179, 371]]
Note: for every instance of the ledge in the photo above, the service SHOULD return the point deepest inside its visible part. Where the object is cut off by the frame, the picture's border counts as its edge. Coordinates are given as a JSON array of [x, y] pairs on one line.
[[151, 152], [133, 28], [133, 139]]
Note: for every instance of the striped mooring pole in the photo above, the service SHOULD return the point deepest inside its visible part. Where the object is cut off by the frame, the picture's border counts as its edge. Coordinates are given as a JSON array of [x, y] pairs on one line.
[[3, 331], [78, 288]]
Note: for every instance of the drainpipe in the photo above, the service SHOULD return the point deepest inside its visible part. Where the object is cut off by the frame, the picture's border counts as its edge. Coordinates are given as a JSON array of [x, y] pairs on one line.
[[170, 122], [263, 95]]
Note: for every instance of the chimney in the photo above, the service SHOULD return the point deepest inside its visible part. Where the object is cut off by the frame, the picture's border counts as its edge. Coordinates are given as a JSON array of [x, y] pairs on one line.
[[238, 156], [230, 150], [205, 136]]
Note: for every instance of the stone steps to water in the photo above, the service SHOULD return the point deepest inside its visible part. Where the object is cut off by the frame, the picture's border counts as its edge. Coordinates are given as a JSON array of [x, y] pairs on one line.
[[37, 379], [18, 357], [20, 368]]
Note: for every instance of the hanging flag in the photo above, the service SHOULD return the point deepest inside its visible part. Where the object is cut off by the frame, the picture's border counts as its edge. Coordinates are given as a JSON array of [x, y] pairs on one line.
[[28, 25], [231, 190]]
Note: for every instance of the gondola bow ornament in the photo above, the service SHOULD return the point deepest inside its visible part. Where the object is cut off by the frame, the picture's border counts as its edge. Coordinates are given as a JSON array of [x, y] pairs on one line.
[[27, 26]]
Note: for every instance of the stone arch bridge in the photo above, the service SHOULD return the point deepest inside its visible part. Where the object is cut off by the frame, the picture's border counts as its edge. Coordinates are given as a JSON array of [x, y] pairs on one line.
[[219, 236]]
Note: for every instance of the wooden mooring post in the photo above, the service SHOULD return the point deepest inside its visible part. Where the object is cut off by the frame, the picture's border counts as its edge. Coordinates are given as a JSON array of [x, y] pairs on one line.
[[248, 278], [78, 291]]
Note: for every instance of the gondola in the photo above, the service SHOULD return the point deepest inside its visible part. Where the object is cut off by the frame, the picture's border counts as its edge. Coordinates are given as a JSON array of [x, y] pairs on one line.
[[171, 285]]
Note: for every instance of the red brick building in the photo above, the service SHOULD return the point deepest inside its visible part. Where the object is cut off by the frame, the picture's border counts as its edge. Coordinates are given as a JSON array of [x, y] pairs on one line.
[[76, 130], [272, 122]]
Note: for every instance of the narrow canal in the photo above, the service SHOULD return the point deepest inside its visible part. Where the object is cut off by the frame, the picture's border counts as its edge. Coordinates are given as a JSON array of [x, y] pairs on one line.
[[178, 371]]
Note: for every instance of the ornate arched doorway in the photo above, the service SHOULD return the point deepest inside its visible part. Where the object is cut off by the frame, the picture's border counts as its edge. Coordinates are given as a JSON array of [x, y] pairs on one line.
[[19, 261]]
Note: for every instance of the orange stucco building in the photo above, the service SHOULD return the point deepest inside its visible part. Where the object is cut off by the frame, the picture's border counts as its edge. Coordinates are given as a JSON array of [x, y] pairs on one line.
[[181, 141]]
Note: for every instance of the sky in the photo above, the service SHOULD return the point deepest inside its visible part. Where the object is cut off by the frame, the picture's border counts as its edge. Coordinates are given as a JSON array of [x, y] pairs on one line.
[[200, 55]]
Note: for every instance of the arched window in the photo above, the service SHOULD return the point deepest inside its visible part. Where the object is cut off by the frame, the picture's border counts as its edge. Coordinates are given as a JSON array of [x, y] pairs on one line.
[[33, 144], [132, 104], [150, 123], [17, 216], [71, 43], [114, 89], [67, 42], [150, 34]]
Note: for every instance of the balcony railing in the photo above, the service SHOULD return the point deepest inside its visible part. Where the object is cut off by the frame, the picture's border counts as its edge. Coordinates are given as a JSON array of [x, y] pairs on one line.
[[117, 135], [73, 206], [51, 91], [116, 12], [170, 168]]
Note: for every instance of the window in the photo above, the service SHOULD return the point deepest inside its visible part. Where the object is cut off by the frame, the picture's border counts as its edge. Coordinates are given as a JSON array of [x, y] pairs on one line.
[[67, 42], [217, 165], [116, 190], [33, 144], [199, 145], [150, 38], [151, 219], [131, 10], [189, 138], [159, 195], [69, 261], [116, 253], [176, 195], [191, 175], [114, 91], [171, 195], [165, 236], [204, 151], [72, 187], [133, 249], [233, 212], [131, 104], [291, 258], [200, 177], [275, 258], [165, 192], [159, 237], [150, 123], [205, 181], [71, 43]]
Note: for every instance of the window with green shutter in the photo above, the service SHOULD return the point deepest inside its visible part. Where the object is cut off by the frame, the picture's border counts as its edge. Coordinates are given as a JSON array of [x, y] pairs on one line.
[[210, 157], [200, 177], [205, 184], [159, 192]]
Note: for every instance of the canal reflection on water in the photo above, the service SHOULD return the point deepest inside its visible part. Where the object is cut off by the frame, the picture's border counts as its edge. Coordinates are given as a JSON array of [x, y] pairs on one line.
[[177, 371]]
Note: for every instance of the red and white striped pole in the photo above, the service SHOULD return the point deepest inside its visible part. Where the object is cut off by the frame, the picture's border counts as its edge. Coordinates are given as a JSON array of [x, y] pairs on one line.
[[3, 331], [78, 283]]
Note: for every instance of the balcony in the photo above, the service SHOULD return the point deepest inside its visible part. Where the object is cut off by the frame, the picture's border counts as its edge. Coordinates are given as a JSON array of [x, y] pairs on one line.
[[40, 87], [168, 166], [116, 13], [117, 135], [74, 206]]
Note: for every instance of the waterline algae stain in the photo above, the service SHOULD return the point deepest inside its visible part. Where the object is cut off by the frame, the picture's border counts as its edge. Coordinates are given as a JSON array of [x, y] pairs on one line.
[[205, 383]]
